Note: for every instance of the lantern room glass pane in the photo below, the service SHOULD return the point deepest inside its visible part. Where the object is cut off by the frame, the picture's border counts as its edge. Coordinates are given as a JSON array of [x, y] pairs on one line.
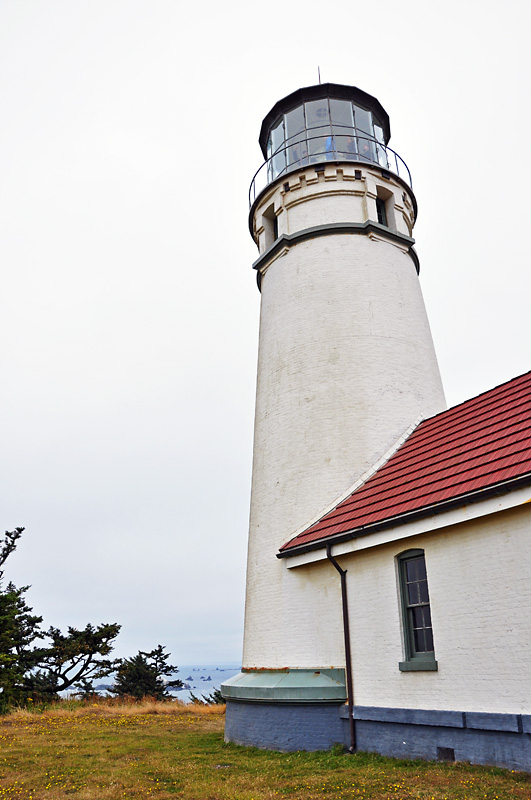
[[339, 146], [346, 147], [297, 153], [319, 143], [363, 120], [294, 122], [278, 161], [381, 152], [317, 113], [318, 126], [297, 150], [341, 114], [366, 149], [381, 156]]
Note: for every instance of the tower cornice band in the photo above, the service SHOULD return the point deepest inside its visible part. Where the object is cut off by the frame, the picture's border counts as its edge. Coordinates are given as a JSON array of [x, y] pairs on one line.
[[286, 240]]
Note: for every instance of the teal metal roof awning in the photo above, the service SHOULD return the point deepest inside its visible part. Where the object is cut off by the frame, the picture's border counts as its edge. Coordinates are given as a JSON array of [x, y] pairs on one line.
[[288, 685]]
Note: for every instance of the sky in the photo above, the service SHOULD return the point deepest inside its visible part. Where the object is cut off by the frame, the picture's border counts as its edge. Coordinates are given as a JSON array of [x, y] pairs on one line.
[[128, 305]]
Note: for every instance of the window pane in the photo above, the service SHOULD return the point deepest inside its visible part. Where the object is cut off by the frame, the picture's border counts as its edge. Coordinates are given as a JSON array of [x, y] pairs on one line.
[[381, 211], [412, 594], [279, 164], [294, 122], [363, 120], [366, 149], [417, 617], [317, 123], [296, 137], [423, 591], [421, 568], [277, 151], [316, 113], [317, 143], [341, 113], [420, 644], [346, 147], [298, 153], [381, 153], [277, 135], [428, 636], [381, 156], [411, 569]]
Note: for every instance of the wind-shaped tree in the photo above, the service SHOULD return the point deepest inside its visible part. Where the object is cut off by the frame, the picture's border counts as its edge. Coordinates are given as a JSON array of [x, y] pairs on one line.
[[143, 675], [27, 670]]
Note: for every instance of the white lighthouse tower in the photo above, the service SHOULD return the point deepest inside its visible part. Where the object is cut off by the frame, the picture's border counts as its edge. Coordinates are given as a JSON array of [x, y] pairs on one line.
[[346, 365]]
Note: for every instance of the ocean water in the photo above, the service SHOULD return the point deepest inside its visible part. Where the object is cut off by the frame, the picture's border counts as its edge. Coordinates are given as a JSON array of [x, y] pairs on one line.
[[202, 679]]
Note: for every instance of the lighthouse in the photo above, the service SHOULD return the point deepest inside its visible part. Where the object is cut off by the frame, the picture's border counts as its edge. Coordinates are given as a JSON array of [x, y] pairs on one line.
[[346, 370]]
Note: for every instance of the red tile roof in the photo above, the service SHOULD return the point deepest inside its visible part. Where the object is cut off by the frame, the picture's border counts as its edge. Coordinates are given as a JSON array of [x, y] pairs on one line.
[[474, 446]]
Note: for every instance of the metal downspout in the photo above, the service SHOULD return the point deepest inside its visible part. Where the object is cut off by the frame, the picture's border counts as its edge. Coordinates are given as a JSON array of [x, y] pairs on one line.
[[348, 659]]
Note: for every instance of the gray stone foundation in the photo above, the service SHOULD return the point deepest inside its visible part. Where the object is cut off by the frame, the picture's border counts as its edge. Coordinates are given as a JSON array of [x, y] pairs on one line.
[[503, 740], [284, 726]]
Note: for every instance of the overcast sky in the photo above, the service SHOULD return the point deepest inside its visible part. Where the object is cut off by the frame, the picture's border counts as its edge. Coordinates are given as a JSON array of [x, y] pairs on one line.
[[129, 309]]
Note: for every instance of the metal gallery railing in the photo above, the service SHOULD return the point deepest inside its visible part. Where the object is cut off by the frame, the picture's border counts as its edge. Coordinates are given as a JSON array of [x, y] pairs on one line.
[[323, 149]]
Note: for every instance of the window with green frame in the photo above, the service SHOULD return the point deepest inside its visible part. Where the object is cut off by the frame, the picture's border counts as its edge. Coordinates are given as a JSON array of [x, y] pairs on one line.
[[416, 612]]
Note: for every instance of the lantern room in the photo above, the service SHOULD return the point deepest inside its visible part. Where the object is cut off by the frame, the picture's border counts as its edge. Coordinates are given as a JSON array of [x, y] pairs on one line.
[[327, 122]]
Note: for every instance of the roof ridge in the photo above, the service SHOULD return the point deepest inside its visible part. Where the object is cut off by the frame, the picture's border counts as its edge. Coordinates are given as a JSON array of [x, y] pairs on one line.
[[481, 394]]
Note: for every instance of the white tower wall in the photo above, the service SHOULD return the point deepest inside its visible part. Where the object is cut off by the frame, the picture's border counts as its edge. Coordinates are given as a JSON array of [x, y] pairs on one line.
[[346, 363]]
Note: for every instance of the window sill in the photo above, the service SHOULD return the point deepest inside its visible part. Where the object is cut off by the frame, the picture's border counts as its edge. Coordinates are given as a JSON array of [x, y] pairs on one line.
[[417, 665]]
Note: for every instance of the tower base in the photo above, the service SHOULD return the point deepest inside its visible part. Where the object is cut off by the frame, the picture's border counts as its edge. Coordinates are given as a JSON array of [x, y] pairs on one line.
[[285, 709], [284, 726]]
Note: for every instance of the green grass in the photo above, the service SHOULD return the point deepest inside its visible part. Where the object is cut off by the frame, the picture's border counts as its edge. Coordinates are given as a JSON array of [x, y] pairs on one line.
[[170, 750]]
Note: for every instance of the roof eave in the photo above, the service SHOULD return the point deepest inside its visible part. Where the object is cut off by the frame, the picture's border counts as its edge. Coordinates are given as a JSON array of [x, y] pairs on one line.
[[436, 508]]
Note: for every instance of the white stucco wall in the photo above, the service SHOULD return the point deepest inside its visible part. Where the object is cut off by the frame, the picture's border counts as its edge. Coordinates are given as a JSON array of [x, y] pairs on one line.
[[346, 363], [480, 595]]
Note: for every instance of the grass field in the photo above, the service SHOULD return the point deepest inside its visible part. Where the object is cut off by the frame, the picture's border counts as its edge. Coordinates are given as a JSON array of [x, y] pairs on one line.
[[171, 750]]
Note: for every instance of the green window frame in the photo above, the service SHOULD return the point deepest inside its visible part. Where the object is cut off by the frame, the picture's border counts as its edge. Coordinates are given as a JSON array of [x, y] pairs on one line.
[[416, 613]]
